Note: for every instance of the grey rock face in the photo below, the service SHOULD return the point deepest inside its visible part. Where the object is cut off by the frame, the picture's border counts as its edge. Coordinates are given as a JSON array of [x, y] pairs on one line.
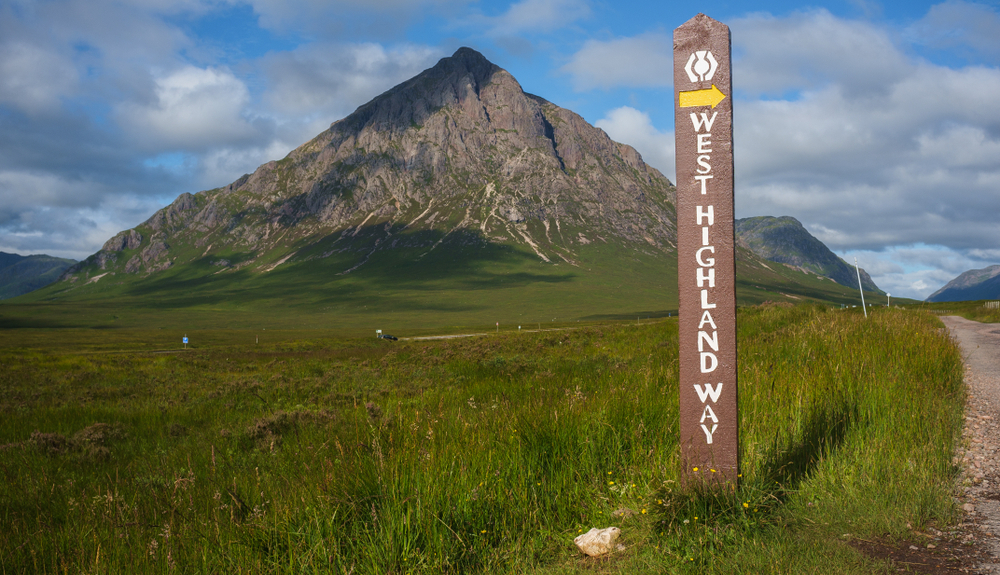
[[458, 148], [127, 240]]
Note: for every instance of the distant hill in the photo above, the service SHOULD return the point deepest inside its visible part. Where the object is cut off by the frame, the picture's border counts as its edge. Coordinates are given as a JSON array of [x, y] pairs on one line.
[[970, 286], [784, 240], [22, 274]]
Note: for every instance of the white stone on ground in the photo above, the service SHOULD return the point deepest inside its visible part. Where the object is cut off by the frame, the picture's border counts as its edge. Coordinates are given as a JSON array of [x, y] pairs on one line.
[[597, 542]]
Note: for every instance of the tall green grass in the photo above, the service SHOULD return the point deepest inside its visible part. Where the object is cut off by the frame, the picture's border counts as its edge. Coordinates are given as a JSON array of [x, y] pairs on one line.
[[475, 455]]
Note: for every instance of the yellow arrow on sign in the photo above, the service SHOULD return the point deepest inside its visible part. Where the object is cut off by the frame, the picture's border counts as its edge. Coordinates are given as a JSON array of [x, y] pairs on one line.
[[710, 97]]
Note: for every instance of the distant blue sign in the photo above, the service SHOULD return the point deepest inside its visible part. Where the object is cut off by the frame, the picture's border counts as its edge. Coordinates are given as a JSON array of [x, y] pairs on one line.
[[185, 339]]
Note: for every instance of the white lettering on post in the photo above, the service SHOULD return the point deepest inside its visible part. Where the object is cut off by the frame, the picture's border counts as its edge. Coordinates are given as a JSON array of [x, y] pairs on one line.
[[705, 122], [708, 434], [706, 214], [708, 362], [705, 262], [709, 392], [709, 414], [704, 300], [704, 143], [706, 318], [702, 277], [703, 166], [711, 340], [703, 180]]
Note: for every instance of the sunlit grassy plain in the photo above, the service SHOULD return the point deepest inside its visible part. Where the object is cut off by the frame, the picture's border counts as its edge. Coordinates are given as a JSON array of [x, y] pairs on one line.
[[312, 454]]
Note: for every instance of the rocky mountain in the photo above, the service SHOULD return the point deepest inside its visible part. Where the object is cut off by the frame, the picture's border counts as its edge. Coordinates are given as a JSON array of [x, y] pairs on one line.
[[22, 274], [457, 156], [455, 198], [970, 286], [784, 240]]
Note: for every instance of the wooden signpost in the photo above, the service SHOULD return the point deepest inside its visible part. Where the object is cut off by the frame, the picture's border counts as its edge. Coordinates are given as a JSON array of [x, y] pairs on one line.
[[706, 264]]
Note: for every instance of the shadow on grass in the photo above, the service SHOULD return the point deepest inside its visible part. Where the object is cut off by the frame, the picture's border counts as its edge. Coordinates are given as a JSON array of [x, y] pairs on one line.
[[32, 323], [823, 432], [752, 505], [368, 269]]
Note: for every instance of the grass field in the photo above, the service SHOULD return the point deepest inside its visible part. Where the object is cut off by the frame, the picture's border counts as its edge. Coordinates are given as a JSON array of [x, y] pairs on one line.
[[309, 453], [403, 294]]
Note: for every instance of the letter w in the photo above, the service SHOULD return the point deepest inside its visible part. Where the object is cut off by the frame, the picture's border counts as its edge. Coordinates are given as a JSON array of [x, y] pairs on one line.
[[708, 392], [705, 122]]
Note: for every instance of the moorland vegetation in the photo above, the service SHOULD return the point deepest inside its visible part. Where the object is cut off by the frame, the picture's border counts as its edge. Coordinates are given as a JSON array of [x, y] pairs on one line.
[[310, 453]]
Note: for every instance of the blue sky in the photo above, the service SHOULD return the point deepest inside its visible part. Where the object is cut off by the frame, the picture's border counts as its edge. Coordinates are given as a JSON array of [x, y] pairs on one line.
[[876, 124]]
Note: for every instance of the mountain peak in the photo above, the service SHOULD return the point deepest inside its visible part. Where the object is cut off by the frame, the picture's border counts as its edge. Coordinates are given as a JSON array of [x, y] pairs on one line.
[[785, 240], [458, 153], [970, 285], [465, 64], [469, 59]]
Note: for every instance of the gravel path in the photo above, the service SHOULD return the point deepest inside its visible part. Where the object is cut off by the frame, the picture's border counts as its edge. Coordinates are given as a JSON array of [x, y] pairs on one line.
[[980, 458]]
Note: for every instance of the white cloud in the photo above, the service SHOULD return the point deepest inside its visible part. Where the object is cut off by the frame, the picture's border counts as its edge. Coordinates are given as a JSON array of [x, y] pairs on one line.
[[334, 79], [538, 16], [44, 213], [631, 126], [221, 167], [640, 61], [841, 125], [813, 49], [915, 271], [193, 109], [966, 26], [21, 190], [34, 79], [921, 160]]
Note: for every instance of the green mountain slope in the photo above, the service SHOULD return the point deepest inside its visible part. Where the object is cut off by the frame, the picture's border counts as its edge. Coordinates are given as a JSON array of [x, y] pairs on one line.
[[22, 274], [784, 240]]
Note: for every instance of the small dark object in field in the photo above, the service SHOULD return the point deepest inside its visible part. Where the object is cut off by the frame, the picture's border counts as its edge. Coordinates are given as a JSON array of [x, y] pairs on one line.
[[374, 411], [389, 337]]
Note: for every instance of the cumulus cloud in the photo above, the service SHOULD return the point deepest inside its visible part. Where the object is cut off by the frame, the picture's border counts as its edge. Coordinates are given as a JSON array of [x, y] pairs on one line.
[[813, 49], [634, 127], [641, 61], [45, 213], [222, 166], [537, 16], [972, 29], [192, 108], [844, 125], [914, 271], [334, 79], [887, 155], [34, 79], [920, 160]]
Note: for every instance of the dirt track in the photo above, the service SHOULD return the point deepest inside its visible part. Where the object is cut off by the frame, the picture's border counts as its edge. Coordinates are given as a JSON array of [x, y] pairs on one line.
[[980, 344]]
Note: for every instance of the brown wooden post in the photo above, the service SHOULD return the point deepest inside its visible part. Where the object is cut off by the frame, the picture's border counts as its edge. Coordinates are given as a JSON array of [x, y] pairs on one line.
[[706, 263]]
